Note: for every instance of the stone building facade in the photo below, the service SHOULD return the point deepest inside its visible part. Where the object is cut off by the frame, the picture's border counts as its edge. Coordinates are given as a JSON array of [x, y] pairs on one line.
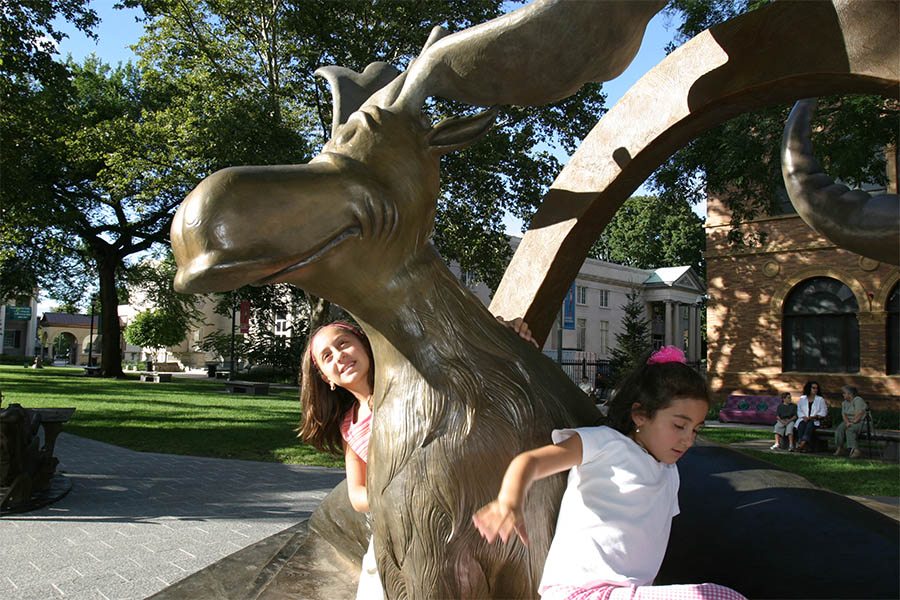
[[796, 308]]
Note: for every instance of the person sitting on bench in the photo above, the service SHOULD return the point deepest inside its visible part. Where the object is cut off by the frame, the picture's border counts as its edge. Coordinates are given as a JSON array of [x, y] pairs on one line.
[[786, 415], [853, 411], [811, 409]]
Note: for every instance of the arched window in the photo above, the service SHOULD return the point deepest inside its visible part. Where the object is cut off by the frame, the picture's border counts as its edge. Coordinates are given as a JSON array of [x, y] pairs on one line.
[[893, 331], [820, 331]]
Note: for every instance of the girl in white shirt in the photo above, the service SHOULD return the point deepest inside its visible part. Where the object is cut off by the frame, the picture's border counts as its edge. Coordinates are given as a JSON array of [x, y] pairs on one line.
[[622, 491]]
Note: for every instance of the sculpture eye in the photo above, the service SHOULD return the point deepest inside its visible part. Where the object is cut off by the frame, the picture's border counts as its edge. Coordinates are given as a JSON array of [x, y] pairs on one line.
[[347, 133]]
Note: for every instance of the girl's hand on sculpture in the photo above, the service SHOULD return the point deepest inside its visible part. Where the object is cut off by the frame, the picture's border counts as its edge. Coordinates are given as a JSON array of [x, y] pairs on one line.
[[521, 327], [500, 519], [505, 515]]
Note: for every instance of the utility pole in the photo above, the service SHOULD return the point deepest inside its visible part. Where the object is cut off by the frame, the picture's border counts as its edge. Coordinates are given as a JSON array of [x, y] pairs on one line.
[[231, 366], [91, 336]]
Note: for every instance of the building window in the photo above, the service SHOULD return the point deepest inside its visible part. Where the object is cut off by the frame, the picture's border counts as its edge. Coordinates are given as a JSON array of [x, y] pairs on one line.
[[604, 298], [604, 337], [820, 330], [12, 339], [893, 331], [581, 328], [581, 294], [281, 323]]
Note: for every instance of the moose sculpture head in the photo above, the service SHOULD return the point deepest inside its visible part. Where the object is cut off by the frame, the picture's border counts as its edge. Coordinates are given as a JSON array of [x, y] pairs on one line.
[[456, 396], [378, 175]]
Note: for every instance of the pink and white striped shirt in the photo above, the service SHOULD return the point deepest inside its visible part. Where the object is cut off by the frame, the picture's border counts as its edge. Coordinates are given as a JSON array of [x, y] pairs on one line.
[[357, 434]]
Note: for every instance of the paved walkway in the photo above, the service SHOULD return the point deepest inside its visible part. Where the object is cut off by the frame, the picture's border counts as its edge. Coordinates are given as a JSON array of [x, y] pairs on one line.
[[136, 522]]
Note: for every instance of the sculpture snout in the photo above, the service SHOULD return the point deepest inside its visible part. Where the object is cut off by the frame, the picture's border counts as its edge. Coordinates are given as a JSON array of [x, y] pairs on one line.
[[247, 225]]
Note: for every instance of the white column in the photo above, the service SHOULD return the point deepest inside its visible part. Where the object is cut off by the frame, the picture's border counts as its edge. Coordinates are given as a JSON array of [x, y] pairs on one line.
[[677, 338], [668, 327]]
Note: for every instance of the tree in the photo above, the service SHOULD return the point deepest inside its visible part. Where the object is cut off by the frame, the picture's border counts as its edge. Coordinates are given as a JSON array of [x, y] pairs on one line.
[[633, 342], [151, 283], [741, 158], [155, 329], [32, 86], [648, 233], [109, 186]]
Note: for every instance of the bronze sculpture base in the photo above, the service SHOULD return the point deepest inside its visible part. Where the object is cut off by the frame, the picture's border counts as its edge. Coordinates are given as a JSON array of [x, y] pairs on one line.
[[59, 486], [296, 563]]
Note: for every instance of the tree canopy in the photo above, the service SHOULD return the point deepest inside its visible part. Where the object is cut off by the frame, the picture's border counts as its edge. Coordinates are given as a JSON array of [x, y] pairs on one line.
[[155, 328], [648, 232]]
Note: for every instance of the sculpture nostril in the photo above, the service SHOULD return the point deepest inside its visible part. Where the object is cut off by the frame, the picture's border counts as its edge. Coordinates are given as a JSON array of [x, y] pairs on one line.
[[193, 210]]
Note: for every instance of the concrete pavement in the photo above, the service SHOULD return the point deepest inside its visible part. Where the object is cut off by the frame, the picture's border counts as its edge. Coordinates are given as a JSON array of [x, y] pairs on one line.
[[136, 522]]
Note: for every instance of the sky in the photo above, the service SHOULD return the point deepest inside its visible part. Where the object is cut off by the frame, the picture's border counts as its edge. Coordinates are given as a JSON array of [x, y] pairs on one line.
[[119, 30]]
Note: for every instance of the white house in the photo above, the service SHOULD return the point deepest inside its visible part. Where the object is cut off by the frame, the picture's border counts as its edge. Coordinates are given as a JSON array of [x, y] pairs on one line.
[[671, 295]]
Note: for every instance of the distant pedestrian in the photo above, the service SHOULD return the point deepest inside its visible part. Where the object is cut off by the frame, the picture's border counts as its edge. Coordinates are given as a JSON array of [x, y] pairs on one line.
[[853, 412], [585, 386]]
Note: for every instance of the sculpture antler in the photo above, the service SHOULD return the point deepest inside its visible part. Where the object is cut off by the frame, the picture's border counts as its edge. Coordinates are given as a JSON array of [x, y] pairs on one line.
[[484, 65], [852, 219]]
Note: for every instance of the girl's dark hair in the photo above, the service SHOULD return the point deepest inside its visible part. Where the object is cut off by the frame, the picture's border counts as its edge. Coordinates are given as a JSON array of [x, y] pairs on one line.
[[323, 409], [653, 387], [807, 389], [785, 395]]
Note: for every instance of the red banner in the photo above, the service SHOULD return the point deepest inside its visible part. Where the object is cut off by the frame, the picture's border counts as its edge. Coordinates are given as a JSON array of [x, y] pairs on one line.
[[245, 316]]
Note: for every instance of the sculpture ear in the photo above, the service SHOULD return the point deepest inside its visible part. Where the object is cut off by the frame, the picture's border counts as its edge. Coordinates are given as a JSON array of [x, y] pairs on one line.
[[458, 132]]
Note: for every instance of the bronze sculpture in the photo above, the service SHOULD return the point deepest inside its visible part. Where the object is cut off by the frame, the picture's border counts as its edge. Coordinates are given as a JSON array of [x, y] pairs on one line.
[[852, 219], [457, 396]]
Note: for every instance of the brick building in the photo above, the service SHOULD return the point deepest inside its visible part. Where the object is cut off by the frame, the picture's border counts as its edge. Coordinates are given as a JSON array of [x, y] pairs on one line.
[[796, 308]]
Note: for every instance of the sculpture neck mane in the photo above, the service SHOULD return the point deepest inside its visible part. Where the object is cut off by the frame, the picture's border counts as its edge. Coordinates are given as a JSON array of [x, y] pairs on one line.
[[418, 314]]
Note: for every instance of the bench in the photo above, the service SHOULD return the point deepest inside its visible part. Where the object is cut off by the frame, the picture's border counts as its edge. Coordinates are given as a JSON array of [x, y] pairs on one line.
[[760, 410], [222, 374], [256, 388], [889, 439], [155, 377], [28, 467], [92, 371]]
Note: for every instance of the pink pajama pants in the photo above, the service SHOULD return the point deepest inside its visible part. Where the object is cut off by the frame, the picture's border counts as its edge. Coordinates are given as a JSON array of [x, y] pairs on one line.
[[699, 591]]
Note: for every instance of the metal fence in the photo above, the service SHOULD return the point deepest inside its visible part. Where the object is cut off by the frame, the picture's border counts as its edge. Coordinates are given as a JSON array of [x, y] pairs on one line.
[[577, 364]]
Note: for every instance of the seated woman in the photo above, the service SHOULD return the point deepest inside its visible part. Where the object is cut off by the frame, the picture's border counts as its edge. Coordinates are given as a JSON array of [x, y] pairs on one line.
[[853, 411], [811, 409]]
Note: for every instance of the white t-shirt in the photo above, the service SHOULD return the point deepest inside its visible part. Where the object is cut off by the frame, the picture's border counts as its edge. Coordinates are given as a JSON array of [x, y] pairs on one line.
[[615, 515]]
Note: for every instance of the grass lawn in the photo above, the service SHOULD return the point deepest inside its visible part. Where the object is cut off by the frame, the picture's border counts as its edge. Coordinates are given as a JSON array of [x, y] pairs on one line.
[[187, 416], [196, 417], [858, 477]]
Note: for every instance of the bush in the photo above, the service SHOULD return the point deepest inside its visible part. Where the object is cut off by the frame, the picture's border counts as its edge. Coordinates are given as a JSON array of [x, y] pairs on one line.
[[6, 359]]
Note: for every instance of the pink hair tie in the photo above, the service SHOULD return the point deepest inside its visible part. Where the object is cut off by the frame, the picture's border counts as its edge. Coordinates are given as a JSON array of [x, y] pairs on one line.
[[667, 354]]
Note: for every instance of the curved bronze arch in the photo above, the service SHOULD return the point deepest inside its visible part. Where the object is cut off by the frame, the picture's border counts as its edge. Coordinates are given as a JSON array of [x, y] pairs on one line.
[[752, 61]]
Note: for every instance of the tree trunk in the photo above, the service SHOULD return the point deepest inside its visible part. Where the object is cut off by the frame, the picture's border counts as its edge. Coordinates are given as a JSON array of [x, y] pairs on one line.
[[110, 341]]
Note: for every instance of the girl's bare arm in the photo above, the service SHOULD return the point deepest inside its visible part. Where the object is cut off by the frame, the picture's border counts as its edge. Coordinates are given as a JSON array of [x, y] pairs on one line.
[[506, 514], [356, 480]]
